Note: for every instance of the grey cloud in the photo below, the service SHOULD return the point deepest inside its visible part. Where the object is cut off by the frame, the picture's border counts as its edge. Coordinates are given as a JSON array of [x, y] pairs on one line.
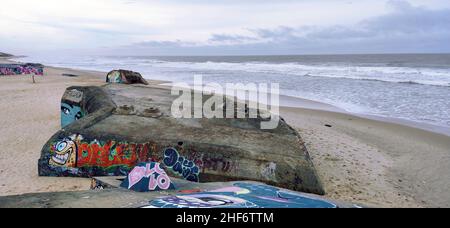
[[156, 44], [405, 29], [230, 38], [278, 33], [405, 20], [340, 32], [408, 19]]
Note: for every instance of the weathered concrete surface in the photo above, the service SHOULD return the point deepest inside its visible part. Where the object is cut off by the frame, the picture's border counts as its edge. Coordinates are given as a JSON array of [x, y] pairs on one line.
[[188, 194], [125, 77], [79, 102], [127, 124]]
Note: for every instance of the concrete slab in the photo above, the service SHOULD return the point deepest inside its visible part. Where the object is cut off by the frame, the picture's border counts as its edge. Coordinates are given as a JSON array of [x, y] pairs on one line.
[[187, 195]]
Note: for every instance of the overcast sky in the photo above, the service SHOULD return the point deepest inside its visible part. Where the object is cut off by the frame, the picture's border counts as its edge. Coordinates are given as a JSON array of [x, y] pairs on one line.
[[224, 27]]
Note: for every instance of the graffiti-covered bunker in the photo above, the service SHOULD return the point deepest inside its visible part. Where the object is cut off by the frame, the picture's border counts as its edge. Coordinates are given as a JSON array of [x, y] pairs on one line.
[[21, 69], [110, 129]]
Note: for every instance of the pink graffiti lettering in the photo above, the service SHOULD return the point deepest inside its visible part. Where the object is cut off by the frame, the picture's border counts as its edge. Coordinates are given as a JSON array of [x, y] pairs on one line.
[[138, 173], [135, 176]]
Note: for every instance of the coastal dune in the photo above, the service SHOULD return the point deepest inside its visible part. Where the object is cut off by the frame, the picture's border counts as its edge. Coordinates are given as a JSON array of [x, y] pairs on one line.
[[362, 161]]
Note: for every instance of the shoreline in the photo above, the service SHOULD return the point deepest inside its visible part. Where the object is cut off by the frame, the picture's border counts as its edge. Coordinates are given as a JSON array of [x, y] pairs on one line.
[[296, 102], [302, 103], [359, 160], [299, 102]]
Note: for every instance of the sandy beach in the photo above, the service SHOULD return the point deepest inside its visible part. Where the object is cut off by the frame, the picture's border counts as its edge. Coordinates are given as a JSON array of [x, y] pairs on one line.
[[359, 160], [376, 163], [30, 115]]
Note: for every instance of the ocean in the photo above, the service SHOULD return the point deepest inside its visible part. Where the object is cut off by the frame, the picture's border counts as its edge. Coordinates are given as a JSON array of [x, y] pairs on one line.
[[413, 87]]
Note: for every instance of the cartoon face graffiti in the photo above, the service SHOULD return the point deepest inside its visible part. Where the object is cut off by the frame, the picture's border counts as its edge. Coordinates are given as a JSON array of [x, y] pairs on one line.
[[64, 153], [200, 201], [69, 114]]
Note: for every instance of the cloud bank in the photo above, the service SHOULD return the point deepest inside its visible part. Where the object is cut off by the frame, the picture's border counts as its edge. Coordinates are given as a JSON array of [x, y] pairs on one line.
[[245, 27], [404, 29]]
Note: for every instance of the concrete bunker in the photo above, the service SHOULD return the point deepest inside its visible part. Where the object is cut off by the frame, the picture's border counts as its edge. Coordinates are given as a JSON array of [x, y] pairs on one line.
[[123, 125], [21, 69], [125, 77]]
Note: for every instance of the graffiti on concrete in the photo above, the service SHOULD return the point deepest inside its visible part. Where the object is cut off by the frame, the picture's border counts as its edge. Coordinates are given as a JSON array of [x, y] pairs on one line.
[[218, 163], [106, 157], [189, 191], [200, 201], [242, 195], [111, 153], [71, 107], [147, 177], [18, 69], [70, 113], [125, 77], [268, 171], [114, 77], [96, 185], [64, 153], [181, 165], [76, 155]]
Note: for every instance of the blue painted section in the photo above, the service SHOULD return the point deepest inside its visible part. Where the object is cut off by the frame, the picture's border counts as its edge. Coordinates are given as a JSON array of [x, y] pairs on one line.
[[69, 114], [114, 77], [244, 195], [181, 165]]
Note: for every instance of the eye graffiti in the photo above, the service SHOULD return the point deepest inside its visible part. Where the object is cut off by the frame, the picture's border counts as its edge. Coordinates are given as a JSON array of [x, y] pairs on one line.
[[180, 165], [64, 153], [69, 114], [200, 201]]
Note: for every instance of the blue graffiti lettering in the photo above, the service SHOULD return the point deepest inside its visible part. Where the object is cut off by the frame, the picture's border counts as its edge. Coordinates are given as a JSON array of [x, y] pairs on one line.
[[180, 165]]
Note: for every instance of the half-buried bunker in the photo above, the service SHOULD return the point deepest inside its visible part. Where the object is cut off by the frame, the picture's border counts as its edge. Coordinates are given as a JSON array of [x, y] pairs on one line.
[[108, 130]]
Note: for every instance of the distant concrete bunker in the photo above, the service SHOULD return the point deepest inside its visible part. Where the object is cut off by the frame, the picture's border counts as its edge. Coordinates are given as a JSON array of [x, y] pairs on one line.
[[21, 69], [125, 77], [108, 130]]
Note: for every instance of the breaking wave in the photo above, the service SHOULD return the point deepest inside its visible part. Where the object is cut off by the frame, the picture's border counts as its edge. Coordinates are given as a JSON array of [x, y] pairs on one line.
[[416, 91], [422, 76], [386, 73]]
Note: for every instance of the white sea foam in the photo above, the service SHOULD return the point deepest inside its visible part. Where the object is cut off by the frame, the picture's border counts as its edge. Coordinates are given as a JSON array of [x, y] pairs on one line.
[[418, 75], [425, 76], [414, 92]]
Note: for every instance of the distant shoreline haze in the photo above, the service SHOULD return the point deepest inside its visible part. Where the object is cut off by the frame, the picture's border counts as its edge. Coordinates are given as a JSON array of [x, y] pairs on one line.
[[5, 54]]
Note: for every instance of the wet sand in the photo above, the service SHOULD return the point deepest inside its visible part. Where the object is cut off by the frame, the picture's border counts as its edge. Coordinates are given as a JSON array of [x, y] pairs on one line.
[[359, 160]]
